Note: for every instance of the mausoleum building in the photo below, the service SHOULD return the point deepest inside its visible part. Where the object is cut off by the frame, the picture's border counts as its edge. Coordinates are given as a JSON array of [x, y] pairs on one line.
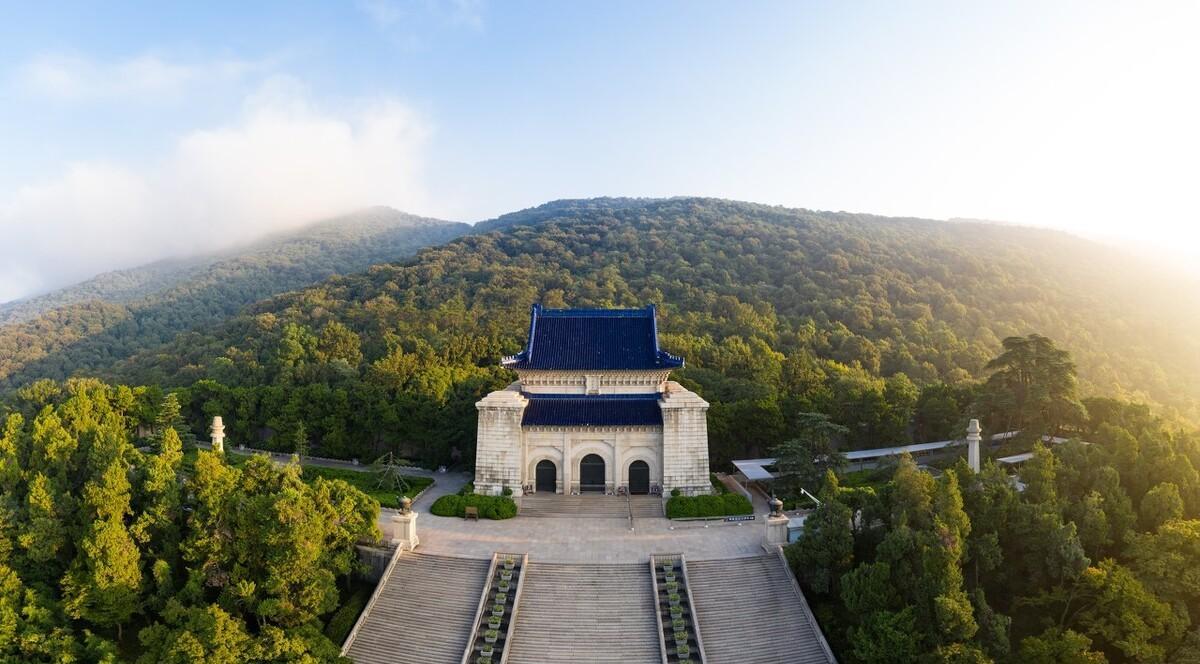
[[592, 409]]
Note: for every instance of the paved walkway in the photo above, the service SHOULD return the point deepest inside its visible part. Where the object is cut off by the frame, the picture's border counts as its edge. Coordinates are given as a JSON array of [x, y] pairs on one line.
[[585, 540]]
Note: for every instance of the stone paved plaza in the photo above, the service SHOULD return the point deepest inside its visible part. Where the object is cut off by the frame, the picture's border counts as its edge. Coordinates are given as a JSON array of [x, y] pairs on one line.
[[596, 540]]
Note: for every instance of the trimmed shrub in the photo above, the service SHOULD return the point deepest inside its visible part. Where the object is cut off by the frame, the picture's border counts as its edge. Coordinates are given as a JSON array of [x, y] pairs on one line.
[[490, 507], [729, 504]]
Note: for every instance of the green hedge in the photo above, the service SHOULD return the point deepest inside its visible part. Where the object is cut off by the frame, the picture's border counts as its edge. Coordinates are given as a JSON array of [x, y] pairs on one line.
[[729, 504], [343, 619], [490, 507]]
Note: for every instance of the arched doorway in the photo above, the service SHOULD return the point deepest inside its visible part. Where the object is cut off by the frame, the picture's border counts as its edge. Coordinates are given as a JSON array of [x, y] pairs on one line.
[[547, 476], [639, 477], [591, 473]]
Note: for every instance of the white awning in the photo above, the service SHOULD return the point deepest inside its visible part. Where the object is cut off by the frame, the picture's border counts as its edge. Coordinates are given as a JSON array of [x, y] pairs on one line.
[[754, 469]]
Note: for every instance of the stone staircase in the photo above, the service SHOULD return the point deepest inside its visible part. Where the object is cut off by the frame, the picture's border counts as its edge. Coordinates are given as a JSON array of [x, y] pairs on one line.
[[423, 611], [598, 506], [586, 613], [751, 612]]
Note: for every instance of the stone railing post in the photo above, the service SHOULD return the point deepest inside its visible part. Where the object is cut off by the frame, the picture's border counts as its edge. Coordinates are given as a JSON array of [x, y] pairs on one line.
[[404, 527]]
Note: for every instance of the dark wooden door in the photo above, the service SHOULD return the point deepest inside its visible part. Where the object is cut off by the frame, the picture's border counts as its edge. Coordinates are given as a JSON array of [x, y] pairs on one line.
[[547, 476], [639, 477], [591, 473]]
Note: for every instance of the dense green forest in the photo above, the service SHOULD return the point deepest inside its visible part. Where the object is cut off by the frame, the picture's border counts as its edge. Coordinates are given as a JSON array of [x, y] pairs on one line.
[[85, 328], [1092, 556], [884, 324], [110, 554]]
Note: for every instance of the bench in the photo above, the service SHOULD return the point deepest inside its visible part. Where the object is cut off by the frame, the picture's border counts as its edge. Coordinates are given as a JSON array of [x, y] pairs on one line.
[[471, 513]]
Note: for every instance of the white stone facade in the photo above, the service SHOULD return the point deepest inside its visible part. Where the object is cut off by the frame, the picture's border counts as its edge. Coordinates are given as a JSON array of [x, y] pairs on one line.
[[507, 454]]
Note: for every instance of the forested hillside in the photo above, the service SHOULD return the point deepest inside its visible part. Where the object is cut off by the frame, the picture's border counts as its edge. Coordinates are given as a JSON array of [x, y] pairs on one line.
[[885, 324], [89, 326]]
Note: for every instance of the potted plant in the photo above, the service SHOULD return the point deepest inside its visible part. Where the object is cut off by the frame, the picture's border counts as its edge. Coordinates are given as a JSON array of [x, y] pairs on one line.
[[491, 636], [510, 562], [506, 575], [501, 598], [683, 651], [679, 624], [485, 659], [681, 638], [673, 599], [672, 586], [670, 577], [668, 567], [497, 609], [676, 612], [494, 622], [487, 650], [504, 586]]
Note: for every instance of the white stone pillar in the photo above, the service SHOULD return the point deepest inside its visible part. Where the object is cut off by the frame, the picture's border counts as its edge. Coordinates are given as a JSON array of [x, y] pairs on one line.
[[404, 530], [777, 530], [498, 447], [218, 435], [685, 441], [973, 445]]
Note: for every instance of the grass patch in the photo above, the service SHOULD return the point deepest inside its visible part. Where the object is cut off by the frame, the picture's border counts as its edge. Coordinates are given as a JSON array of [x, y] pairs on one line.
[[875, 478], [368, 482]]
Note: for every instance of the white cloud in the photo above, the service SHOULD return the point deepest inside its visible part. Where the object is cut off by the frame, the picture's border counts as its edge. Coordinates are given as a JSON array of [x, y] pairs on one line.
[[283, 163], [72, 78]]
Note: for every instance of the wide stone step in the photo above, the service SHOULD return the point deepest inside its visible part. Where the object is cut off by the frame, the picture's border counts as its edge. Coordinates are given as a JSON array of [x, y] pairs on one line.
[[585, 614], [750, 613], [597, 506], [422, 613]]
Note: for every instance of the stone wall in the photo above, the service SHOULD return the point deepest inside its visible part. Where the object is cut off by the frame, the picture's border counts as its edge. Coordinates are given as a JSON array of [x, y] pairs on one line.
[[618, 446]]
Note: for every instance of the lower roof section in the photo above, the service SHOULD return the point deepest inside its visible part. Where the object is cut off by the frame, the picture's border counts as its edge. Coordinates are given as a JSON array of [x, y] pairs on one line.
[[596, 410]]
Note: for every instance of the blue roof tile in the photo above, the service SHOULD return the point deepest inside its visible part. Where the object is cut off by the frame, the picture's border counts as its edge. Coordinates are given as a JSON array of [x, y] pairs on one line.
[[597, 339], [592, 410]]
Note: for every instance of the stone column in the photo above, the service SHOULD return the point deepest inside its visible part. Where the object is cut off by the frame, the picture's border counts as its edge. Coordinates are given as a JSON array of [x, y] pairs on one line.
[[218, 435], [685, 441], [973, 445], [498, 453]]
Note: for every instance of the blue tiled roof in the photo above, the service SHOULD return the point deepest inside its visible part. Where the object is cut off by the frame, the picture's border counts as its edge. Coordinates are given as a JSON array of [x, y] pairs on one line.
[[566, 410], [597, 339]]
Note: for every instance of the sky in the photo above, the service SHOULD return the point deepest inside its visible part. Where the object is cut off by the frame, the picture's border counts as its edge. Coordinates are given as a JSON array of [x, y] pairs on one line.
[[135, 131]]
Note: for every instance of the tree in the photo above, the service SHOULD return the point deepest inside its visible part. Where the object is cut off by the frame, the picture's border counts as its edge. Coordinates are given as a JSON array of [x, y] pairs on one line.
[[157, 527], [105, 580], [1058, 646], [886, 637], [300, 440], [1032, 387], [169, 417], [197, 635], [1160, 505], [826, 548], [1115, 609], [802, 462], [1168, 562]]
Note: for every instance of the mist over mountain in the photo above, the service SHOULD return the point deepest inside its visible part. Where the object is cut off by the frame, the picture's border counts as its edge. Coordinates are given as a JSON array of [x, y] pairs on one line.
[[92, 324]]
